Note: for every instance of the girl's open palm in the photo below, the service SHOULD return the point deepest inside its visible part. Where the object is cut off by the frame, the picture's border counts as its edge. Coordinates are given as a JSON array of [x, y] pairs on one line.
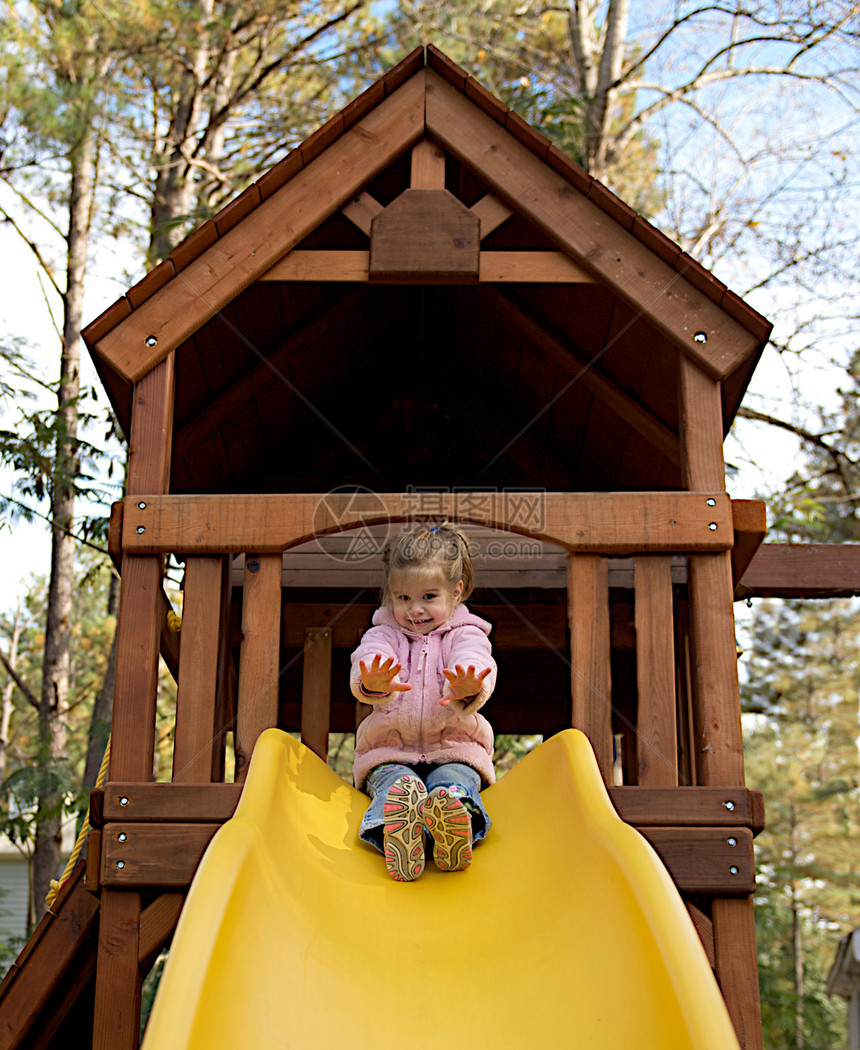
[[379, 677], [463, 684]]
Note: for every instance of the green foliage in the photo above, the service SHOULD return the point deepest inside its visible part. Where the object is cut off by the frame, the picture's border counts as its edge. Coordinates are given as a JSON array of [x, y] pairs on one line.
[[801, 677]]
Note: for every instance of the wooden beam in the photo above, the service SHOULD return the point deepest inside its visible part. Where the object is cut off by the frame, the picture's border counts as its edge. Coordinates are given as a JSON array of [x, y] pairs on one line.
[[689, 806], [706, 860], [428, 166], [259, 659], [671, 303], [749, 523], [116, 1022], [802, 570], [588, 618], [656, 723], [152, 855], [701, 429], [736, 967], [493, 213], [157, 923], [136, 801], [496, 267], [609, 523], [267, 233], [586, 372], [360, 211], [701, 860], [316, 690], [195, 738]]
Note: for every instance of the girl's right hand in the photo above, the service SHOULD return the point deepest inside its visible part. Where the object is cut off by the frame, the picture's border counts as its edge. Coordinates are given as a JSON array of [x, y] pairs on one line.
[[379, 677]]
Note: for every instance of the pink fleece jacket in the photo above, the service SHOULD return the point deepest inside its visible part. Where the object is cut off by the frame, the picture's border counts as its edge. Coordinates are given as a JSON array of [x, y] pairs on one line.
[[412, 726]]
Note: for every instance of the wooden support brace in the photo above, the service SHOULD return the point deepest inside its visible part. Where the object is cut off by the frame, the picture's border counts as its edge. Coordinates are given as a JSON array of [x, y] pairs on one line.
[[736, 966], [116, 1023], [656, 726]]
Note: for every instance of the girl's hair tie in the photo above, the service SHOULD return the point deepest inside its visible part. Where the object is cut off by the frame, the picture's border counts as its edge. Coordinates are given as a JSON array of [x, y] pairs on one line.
[[436, 528]]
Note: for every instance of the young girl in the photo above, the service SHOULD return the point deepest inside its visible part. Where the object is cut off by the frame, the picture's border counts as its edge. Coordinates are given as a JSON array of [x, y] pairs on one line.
[[424, 752]]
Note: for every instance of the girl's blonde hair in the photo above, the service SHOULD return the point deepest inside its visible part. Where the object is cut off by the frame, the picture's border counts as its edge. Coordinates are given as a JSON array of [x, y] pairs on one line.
[[424, 546]]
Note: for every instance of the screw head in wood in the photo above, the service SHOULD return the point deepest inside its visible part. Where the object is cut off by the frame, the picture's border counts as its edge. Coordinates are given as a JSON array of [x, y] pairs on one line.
[[151, 340]]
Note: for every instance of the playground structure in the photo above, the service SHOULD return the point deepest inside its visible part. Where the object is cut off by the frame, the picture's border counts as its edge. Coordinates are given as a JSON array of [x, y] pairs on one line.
[[425, 293]]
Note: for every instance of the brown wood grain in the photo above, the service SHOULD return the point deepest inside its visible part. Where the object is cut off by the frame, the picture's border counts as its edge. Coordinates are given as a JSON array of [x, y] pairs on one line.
[[153, 803], [689, 806], [316, 690], [493, 213], [736, 967], [613, 523], [428, 166], [194, 740], [588, 616], [138, 855], [706, 860], [802, 570], [116, 1021], [425, 235], [580, 227], [235, 260], [259, 668], [656, 729], [701, 430], [157, 922]]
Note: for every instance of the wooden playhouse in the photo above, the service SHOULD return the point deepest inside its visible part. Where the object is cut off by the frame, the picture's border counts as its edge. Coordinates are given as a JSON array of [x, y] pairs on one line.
[[426, 310]]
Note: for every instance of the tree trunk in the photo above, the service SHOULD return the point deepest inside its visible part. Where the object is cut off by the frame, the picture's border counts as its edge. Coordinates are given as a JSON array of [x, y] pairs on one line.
[[55, 666], [8, 692]]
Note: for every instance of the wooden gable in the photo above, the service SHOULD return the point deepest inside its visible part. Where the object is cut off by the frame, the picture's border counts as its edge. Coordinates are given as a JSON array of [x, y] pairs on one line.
[[320, 341]]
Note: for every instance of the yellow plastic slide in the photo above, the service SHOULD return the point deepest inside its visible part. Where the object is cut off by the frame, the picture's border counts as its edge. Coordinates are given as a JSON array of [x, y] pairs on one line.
[[565, 932]]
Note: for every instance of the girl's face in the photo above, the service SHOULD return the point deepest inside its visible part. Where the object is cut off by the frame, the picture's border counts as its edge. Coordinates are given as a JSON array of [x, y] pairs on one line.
[[422, 600]]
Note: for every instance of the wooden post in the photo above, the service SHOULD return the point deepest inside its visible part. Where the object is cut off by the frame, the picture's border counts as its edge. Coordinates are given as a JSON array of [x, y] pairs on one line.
[[259, 660], [316, 690], [428, 166], [116, 1018], [194, 745], [588, 614], [656, 724], [716, 707]]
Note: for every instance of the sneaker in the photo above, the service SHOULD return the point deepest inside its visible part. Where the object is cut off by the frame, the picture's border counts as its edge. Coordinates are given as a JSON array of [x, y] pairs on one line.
[[403, 838], [448, 821]]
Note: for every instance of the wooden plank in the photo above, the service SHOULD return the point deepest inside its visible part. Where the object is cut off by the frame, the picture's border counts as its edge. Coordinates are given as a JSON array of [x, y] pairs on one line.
[[259, 666], [194, 740], [582, 369], [588, 616], [241, 392], [802, 570], [706, 860], [716, 698], [736, 967], [428, 166], [136, 685], [425, 236], [50, 953], [360, 211], [152, 855], [689, 806], [492, 212], [316, 690], [157, 923], [154, 803], [151, 434], [701, 429], [116, 1023], [581, 228], [235, 260], [613, 523], [749, 523], [656, 730], [141, 601], [498, 267]]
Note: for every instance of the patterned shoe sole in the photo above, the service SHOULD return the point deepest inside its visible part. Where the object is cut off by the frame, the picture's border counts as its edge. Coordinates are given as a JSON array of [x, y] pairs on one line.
[[404, 829], [448, 821]]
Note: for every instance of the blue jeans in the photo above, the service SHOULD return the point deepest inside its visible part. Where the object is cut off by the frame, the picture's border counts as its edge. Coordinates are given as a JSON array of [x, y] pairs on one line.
[[465, 781]]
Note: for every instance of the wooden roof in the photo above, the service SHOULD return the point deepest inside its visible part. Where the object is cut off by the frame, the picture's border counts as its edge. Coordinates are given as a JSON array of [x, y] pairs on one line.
[[307, 356]]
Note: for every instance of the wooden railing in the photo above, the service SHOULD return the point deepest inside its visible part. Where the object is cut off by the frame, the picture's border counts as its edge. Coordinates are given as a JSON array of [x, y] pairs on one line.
[[207, 532]]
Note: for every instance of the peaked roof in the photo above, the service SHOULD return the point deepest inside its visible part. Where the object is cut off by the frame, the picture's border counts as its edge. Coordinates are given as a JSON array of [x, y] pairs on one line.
[[555, 207]]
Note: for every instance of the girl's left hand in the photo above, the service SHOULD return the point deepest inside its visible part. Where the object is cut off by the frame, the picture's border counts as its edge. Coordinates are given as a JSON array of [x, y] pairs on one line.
[[463, 684]]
